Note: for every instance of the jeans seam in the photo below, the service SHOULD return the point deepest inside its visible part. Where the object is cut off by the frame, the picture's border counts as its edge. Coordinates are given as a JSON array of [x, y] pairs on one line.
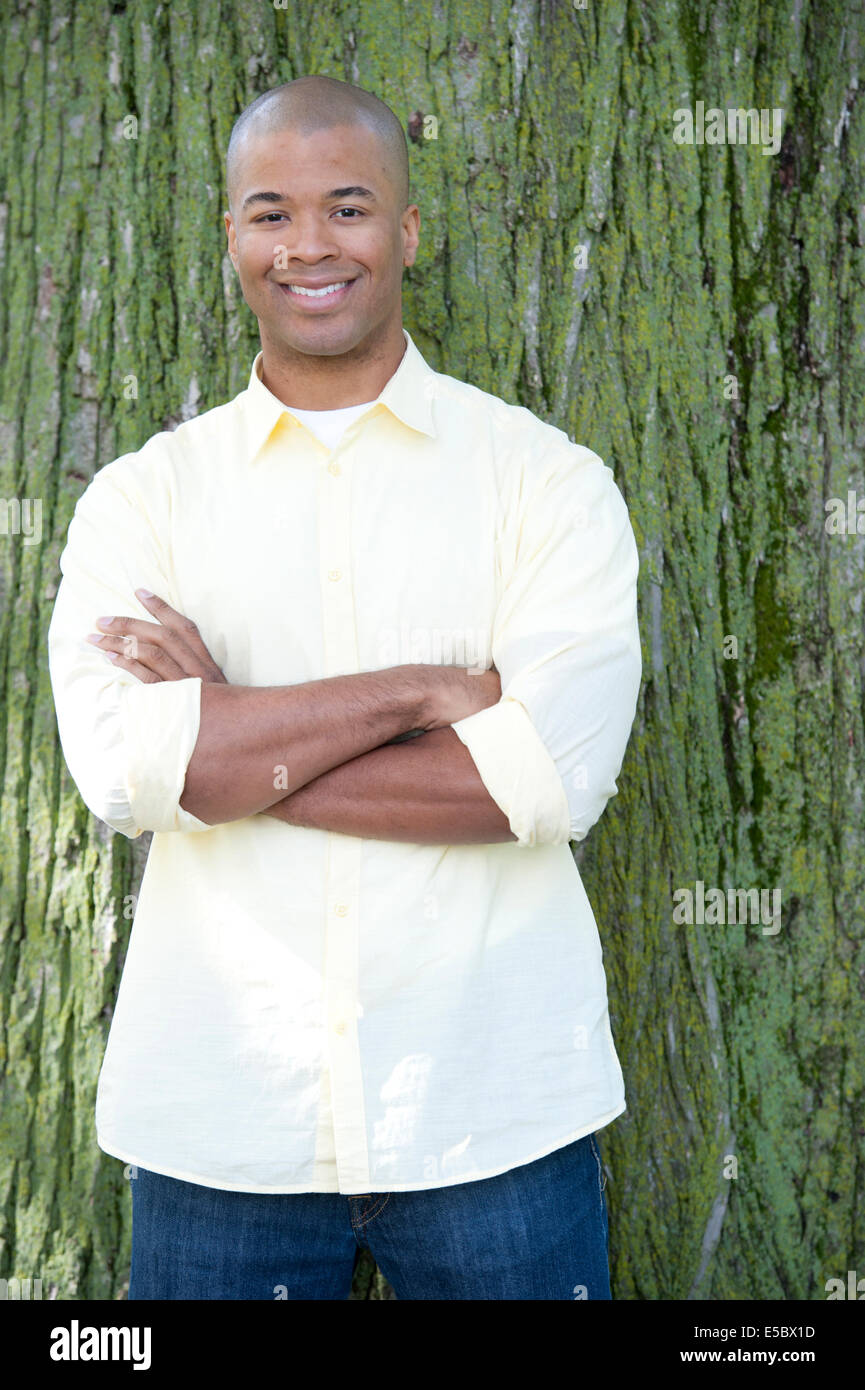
[[369, 1215], [602, 1177]]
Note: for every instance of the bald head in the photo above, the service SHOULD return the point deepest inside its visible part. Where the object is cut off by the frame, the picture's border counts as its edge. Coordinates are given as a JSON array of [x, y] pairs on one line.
[[311, 104]]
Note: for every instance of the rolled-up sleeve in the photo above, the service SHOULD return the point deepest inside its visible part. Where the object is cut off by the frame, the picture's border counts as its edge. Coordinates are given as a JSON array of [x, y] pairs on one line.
[[127, 743], [566, 644]]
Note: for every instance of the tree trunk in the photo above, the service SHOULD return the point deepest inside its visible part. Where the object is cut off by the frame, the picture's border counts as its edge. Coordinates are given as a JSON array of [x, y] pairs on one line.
[[692, 312]]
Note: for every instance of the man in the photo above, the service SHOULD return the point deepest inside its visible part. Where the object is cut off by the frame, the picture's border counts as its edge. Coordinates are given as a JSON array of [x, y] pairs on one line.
[[361, 648]]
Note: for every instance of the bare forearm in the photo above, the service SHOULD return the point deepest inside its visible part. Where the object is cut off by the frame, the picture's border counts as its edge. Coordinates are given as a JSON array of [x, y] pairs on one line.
[[426, 791], [255, 744]]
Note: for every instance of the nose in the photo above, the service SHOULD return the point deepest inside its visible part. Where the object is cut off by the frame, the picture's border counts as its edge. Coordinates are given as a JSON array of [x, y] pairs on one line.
[[309, 238]]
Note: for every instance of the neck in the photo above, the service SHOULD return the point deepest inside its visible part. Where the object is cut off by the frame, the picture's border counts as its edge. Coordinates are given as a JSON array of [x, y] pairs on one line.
[[321, 382]]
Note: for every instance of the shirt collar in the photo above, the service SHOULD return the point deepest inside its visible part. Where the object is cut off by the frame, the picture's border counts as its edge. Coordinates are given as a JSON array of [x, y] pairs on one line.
[[408, 395]]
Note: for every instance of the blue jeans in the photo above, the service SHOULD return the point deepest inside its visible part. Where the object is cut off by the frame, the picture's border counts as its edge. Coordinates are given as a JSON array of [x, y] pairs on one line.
[[538, 1231]]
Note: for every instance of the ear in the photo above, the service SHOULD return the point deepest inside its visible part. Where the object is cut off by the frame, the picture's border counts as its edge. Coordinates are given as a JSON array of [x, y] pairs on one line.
[[410, 229], [232, 238]]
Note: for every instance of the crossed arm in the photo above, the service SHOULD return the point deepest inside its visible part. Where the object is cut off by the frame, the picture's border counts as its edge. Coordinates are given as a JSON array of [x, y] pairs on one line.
[[321, 754], [425, 791]]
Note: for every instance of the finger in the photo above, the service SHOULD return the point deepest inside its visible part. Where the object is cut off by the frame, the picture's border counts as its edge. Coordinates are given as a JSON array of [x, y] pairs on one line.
[[154, 633], [149, 654], [184, 627], [135, 667], [190, 661], [175, 633]]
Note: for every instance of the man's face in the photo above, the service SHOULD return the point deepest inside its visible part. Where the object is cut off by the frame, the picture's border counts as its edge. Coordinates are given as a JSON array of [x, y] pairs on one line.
[[309, 237]]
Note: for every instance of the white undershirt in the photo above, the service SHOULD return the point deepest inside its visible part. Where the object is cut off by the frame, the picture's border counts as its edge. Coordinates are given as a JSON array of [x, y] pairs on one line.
[[329, 425]]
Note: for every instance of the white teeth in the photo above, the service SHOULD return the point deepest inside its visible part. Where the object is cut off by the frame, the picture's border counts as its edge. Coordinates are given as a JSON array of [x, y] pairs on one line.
[[318, 294]]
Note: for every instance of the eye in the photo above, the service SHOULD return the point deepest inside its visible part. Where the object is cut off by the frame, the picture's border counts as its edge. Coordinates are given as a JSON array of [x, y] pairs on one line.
[[269, 216]]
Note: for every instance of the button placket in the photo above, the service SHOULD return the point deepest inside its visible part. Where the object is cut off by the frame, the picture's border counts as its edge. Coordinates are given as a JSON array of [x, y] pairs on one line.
[[344, 851]]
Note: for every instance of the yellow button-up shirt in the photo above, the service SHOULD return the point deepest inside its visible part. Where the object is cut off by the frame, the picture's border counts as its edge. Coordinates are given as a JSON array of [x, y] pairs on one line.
[[306, 1011]]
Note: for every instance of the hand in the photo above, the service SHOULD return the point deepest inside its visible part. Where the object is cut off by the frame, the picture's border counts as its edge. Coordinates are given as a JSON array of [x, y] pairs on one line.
[[457, 693], [168, 650]]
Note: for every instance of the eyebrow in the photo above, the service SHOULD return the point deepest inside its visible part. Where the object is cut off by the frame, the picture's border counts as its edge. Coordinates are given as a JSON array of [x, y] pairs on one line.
[[355, 190]]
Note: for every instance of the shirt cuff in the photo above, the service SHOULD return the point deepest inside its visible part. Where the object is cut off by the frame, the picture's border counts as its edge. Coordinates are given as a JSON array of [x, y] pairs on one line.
[[160, 726], [518, 772]]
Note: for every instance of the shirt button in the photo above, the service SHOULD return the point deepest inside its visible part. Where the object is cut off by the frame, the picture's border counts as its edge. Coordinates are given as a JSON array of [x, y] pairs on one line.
[[341, 909], [339, 1028], [334, 574], [334, 468]]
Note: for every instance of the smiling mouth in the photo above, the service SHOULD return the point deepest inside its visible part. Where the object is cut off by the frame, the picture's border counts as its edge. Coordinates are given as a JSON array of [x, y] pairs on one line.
[[322, 295]]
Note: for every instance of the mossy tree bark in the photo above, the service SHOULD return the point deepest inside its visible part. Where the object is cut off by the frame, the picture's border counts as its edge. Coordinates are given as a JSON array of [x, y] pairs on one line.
[[695, 314]]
